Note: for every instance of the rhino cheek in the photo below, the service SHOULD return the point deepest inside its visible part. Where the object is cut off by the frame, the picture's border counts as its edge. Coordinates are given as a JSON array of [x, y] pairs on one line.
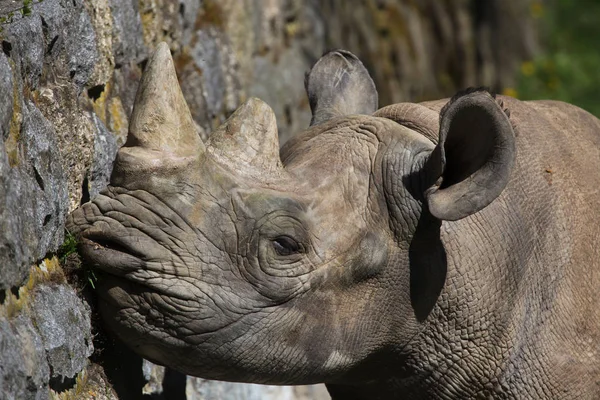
[[372, 257], [128, 316]]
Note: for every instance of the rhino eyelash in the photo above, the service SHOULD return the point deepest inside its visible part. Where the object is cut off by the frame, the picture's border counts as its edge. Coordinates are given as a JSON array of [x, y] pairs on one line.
[[286, 246]]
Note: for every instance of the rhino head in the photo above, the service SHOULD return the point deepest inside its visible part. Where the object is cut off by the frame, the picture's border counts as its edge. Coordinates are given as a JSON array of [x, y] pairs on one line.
[[231, 260]]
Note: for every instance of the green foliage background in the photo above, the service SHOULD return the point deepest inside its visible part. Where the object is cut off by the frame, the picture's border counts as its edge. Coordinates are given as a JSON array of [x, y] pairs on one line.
[[569, 67]]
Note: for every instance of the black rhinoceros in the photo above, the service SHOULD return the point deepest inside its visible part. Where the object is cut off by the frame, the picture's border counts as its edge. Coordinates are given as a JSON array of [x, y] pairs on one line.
[[442, 250]]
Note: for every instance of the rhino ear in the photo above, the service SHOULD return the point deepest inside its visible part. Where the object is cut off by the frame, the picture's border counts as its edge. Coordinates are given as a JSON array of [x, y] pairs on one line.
[[339, 84], [161, 119], [474, 156]]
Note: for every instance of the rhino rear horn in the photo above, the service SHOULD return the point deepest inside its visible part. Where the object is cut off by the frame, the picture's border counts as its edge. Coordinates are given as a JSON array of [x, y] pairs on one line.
[[249, 137], [161, 119], [339, 84]]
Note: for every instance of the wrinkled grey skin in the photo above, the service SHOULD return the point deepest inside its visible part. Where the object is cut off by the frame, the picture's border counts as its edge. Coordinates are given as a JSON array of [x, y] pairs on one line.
[[390, 254]]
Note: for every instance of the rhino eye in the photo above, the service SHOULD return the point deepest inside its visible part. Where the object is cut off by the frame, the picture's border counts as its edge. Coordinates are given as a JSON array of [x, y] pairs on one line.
[[285, 246]]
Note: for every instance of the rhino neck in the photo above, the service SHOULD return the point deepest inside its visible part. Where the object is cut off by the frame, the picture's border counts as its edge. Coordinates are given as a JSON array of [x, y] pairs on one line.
[[494, 306]]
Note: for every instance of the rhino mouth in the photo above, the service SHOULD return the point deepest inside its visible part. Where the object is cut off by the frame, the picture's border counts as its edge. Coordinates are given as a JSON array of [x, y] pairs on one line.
[[115, 265], [120, 263]]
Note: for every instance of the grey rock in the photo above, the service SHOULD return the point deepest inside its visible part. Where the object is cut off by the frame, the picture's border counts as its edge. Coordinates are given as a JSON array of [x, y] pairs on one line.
[[32, 202], [6, 97], [17, 238], [81, 46], [128, 41], [18, 241], [208, 56], [24, 370], [56, 21], [36, 364], [44, 167], [188, 14], [63, 321], [69, 37], [105, 151], [14, 253], [27, 42]]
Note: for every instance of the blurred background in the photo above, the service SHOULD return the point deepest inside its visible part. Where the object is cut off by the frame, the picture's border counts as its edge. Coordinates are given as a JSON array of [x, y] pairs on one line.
[[566, 64], [69, 71]]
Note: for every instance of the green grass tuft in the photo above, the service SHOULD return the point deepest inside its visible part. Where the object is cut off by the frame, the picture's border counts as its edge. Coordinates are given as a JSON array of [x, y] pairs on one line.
[[78, 274], [567, 68], [68, 247], [26, 10]]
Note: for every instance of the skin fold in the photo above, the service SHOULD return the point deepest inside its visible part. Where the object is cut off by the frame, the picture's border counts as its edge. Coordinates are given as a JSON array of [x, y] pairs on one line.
[[440, 250]]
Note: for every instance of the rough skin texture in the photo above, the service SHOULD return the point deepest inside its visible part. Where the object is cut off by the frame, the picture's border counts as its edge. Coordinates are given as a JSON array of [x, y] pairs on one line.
[[417, 252]]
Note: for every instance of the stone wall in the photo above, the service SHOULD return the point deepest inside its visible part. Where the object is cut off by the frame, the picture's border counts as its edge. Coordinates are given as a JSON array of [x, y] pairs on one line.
[[69, 70]]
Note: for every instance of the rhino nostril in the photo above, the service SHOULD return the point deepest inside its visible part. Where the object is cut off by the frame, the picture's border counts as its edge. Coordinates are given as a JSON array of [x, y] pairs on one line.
[[109, 255]]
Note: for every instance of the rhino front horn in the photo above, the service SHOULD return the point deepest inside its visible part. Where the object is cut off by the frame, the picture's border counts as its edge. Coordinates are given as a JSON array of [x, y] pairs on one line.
[[161, 119], [249, 137]]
